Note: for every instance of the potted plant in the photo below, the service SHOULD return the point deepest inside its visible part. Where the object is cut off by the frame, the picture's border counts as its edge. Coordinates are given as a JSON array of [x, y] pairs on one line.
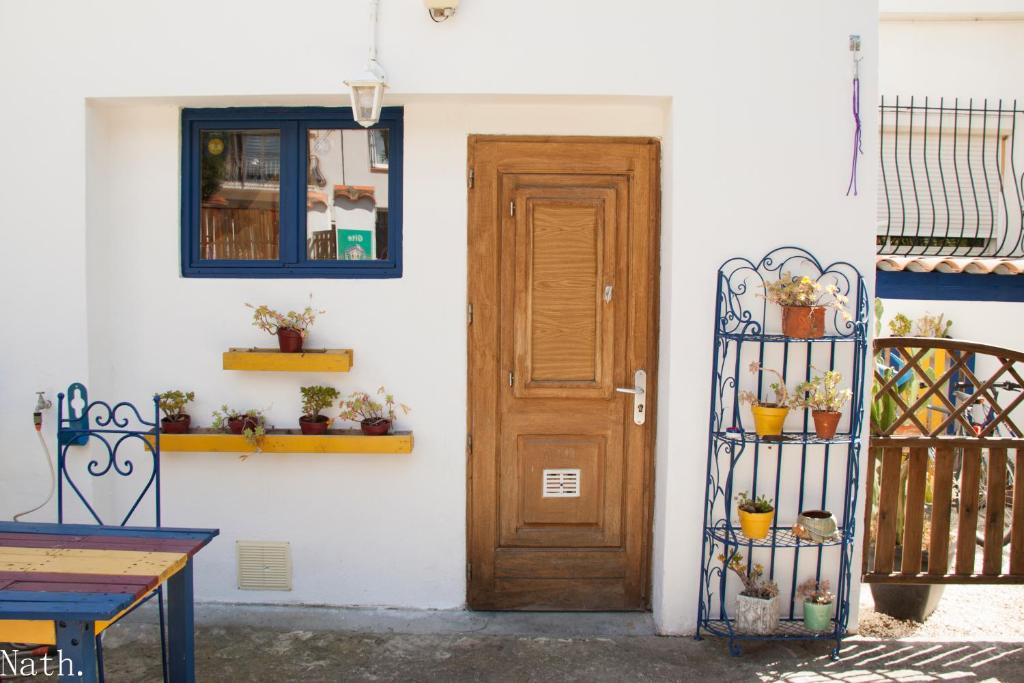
[[172, 404], [817, 599], [803, 302], [249, 423], [375, 418], [816, 526], [768, 417], [825, 399], [755, 514], [291, 327], [315, 399], [757, 605]]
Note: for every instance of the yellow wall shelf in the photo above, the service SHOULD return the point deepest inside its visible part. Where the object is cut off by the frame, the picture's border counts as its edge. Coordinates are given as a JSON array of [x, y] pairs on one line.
[[310, 360], [288, 441]]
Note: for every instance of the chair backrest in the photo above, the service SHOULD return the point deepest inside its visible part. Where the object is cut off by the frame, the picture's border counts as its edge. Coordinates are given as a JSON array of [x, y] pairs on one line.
[[109, 428]]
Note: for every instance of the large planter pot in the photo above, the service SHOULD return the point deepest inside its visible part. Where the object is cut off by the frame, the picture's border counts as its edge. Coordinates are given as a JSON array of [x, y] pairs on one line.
[[756, 525], [757, 615], [819, 525], [317, 425], [768, 420], [375, 427], [180, 426], [289, 340], [826, 422], [817, 617], [804, 322], [915, 602]]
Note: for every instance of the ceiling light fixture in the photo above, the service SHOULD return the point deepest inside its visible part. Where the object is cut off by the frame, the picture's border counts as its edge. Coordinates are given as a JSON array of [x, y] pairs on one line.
[[367, 89]]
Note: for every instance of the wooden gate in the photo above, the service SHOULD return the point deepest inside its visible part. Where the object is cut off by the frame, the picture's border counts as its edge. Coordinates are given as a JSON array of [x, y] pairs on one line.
[[944, 452]]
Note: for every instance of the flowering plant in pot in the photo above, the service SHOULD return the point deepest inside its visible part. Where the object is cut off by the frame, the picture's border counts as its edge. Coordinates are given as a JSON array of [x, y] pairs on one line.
[[757, 605], [803, 302], [249, 423], [768, 416], [172, 405], [315, 399], [375, 418], [817, 599], [822, 395], [756, 515], [291, 327]]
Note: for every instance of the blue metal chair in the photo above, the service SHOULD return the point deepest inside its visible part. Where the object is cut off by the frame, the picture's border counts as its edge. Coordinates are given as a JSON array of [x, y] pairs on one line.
[[109, 427]]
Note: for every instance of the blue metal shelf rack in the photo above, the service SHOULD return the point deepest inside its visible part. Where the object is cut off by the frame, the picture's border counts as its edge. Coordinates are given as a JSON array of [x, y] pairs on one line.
[[746, 328]]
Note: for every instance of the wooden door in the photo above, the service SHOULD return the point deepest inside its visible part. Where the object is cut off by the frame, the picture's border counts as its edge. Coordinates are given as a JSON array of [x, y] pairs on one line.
[[563, 253]]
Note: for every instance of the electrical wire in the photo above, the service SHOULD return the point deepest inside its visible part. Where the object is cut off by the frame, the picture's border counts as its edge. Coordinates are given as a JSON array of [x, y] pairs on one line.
[[53, 479]]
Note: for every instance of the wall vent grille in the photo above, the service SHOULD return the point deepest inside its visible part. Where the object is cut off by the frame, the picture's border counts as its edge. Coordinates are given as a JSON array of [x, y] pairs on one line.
[[561, 483], [264, 565]]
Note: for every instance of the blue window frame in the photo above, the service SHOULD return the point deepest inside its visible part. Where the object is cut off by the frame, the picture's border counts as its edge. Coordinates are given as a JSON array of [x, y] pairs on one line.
[[279, 159]]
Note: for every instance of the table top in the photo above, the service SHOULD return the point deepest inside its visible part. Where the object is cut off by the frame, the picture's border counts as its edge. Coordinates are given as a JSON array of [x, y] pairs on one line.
[[85, 572]]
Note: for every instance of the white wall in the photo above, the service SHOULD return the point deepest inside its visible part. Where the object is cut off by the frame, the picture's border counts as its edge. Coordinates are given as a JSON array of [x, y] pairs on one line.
[[751, 98]]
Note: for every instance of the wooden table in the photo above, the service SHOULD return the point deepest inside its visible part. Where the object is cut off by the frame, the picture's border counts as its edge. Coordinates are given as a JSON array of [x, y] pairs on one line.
[[61, 584]]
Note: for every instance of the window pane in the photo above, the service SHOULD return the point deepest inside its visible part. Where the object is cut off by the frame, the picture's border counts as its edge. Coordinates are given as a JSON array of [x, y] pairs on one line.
[[347, 195], [240, 186]]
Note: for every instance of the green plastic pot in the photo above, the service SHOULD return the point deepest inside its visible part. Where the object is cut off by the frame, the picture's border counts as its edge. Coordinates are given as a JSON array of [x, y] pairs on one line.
[[818, 617]]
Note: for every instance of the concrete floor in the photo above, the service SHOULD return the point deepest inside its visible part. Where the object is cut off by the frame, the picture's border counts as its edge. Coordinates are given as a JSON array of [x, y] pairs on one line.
[[248, 643]]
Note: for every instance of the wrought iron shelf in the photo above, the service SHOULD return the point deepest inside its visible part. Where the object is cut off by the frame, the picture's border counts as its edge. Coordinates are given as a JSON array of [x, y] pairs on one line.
[[780, 537], [779, 338], [786, 439], [288, 441], [789, 629], [831, 477], [272, 360]]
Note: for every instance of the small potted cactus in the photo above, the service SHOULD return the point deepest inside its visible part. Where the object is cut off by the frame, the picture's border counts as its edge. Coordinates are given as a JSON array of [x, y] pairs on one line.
[[817, 600], [175, 419], [291, 328], [315, 399], [375, 418], [825, 399], [755, 514]]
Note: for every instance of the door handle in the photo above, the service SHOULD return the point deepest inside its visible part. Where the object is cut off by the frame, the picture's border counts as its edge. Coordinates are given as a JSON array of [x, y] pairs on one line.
[[639, 391]]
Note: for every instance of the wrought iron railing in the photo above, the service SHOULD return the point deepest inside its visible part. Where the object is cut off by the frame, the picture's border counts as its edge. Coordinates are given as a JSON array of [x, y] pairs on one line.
[[951, 178]]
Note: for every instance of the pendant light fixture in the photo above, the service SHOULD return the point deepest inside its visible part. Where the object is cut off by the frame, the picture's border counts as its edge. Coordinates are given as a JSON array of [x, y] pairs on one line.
[[367, 89]]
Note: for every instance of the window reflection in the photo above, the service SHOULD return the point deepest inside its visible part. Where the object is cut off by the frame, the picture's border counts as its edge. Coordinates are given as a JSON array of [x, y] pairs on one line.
[[347, 194], [240, 188]]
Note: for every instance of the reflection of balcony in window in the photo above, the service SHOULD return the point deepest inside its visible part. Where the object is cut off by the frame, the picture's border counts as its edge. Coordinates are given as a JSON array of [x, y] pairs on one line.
[[378, 141], [323, 245], [946, 187]]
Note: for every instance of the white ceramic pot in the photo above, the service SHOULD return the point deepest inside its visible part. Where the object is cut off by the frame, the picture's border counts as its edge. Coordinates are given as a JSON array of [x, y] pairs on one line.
[[757, 615]]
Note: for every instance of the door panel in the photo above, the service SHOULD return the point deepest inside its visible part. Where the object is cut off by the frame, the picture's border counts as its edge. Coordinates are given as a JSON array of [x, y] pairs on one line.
[[563, 289]]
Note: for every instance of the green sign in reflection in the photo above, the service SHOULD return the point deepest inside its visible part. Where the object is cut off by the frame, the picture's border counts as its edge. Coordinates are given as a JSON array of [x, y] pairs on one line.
[[355, 245]]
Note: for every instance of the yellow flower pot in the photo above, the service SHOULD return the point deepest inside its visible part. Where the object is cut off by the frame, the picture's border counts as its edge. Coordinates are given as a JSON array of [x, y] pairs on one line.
[[768, 421], [756, 525]]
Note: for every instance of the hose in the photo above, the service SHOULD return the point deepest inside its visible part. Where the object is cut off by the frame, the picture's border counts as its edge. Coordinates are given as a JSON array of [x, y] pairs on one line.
[[53, 475]]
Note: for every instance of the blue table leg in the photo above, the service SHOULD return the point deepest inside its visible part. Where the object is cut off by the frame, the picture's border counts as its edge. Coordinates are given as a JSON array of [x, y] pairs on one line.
[[181, 627], [76, 651]]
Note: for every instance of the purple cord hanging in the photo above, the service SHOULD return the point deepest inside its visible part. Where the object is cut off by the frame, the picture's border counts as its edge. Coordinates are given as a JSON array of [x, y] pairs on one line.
[[858, 148]]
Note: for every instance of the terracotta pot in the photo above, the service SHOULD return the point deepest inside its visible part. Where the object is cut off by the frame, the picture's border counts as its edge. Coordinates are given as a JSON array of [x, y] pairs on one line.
[[289, 340], [825, 422], [375, 427], [804, 322], [317, 425], [237, 425], [757, 615], [756, 525], [180, 426], [768, 420]]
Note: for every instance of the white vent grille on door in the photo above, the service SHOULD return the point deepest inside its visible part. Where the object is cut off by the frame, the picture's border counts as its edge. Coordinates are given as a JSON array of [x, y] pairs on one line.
[[264, 565], [564, 483]]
